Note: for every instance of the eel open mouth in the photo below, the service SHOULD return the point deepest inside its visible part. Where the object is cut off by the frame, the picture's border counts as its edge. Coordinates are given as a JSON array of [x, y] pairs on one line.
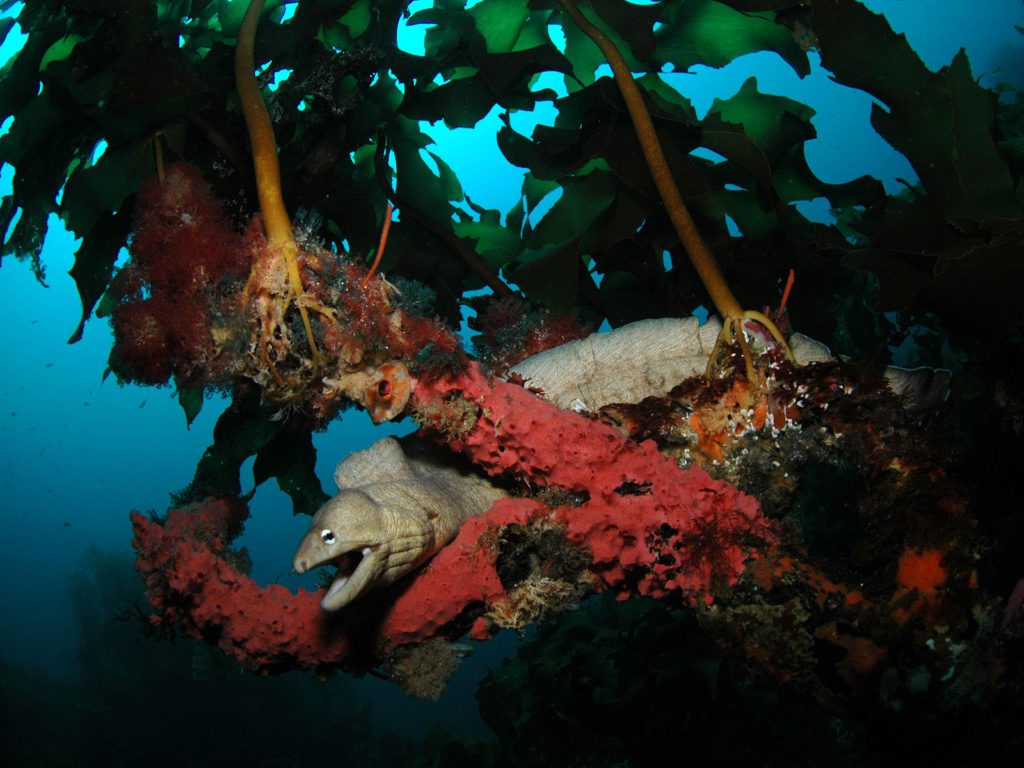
[[355, 571]]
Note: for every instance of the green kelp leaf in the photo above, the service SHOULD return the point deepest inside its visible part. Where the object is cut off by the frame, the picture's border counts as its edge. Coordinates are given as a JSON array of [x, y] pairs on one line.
[[584, 200], [535, 190], [666, 102], [94, 190], [624, 156], [910, 222], [358, 18], [60, 50], [95, 259], [448, 26], [415, 182], [633, 23], [428, 258], [711, 33], [550, 278], [510, 75], [940, 121], [901, 275], [241, 431], [494, 242], [627, 296], [742, 206], [984, 176], [863, 51], [450, 185], [619, 222], [191, 401], [500, 22], [532, 33], [861, 331], [742, 154], [40, 163], [291, 458], [151, 75], [335, 37], [754, 6], [629, 26], [230, 13], [580, 133], [19, 78], [6, 25], [460, 103], [773, 123], [765, 135], [283, 449], [34, 126], [583, 53]]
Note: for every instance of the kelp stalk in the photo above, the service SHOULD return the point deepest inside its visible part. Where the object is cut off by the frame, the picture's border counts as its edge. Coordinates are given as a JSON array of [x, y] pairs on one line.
[[276, 224], [733, 315]]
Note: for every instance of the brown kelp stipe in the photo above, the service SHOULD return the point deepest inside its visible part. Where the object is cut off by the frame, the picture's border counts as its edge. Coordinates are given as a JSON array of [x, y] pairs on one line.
[[276, 224], [734, 317]]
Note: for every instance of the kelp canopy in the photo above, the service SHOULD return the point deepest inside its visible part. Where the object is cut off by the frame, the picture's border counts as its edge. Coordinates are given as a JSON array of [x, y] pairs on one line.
[[104, 92]]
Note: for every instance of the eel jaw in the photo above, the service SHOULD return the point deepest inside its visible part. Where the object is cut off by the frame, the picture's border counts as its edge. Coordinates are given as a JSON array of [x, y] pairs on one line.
[[357, 569]]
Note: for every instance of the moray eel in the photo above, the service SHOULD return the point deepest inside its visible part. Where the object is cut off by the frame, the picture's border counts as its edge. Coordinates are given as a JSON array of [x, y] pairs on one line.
[[398, 505]]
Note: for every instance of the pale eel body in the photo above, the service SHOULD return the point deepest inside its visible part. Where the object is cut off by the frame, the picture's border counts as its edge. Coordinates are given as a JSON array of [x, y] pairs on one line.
[[395, 509]]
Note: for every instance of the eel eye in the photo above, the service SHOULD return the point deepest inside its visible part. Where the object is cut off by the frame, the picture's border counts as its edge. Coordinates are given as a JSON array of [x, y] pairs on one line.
[[384, 389], [327, 536]]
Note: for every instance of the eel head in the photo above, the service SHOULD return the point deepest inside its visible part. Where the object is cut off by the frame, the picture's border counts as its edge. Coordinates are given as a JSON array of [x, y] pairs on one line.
[[369, 545]]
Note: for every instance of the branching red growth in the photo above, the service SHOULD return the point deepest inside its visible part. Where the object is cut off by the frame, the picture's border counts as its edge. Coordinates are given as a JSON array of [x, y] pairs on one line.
[[185, 266], [649, 527]]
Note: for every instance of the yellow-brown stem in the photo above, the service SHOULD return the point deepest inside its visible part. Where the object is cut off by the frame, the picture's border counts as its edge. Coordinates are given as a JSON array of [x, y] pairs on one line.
[[382, 243], [702, 258], [733, 315], [276, 224]]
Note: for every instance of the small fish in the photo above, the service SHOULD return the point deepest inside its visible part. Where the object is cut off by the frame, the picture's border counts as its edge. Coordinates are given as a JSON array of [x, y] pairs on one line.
[[142, 404]]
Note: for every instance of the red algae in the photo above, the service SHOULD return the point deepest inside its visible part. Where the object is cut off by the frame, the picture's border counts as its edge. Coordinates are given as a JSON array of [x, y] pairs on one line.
[[186, 264]]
